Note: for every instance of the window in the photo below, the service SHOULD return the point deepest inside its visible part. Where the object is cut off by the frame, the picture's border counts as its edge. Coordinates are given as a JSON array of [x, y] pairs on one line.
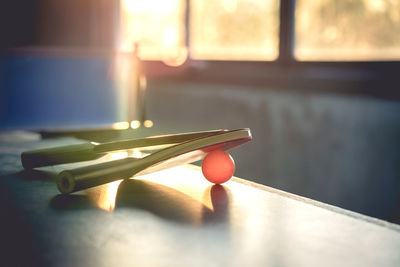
[[221, 30], [249, 30], [234, 29], [347, 30], [157, 26]]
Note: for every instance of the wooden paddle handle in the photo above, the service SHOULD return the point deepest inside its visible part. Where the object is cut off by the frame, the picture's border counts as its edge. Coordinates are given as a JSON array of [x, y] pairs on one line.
[[58, 155], [69, 181]]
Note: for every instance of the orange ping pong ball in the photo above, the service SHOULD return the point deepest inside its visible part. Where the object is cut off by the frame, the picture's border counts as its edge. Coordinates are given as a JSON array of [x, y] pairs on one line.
[[218, 166]]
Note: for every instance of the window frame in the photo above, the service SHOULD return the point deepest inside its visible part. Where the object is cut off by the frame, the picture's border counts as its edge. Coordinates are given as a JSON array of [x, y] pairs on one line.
[[378, 78]]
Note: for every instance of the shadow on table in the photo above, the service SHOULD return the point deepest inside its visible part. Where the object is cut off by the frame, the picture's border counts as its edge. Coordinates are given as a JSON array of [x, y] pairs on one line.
[[72, 202], [36, 175], [162, 201], [220, 196]]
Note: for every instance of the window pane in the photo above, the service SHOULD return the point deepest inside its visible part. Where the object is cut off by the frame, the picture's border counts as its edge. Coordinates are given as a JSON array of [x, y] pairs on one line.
[[234, 29], [347, 30], [156, 25]]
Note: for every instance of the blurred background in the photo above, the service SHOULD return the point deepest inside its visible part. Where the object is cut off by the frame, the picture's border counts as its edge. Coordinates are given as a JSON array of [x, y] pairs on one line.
[[317, 82]]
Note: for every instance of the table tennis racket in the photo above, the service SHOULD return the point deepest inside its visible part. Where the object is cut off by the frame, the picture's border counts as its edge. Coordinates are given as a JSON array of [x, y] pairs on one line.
[[183, 149], [93, 150]]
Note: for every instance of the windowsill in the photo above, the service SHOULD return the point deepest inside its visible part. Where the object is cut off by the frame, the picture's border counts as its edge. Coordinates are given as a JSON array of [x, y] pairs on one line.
[[376, 78], [372, 78]]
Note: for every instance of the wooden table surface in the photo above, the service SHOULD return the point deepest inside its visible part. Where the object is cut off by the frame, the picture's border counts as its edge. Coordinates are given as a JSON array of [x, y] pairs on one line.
[[176, 218]]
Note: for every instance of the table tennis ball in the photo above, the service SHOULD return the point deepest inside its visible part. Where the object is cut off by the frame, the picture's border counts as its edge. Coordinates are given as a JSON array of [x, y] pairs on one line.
[[218, 166]]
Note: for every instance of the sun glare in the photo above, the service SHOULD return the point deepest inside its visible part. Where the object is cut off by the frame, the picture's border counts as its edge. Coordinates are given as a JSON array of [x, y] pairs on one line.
[[156, 25], [104, 196], [122, 125], [135, 124], [148, 123]]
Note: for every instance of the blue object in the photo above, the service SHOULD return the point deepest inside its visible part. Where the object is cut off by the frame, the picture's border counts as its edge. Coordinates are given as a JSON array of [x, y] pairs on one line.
[[46, 92]]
